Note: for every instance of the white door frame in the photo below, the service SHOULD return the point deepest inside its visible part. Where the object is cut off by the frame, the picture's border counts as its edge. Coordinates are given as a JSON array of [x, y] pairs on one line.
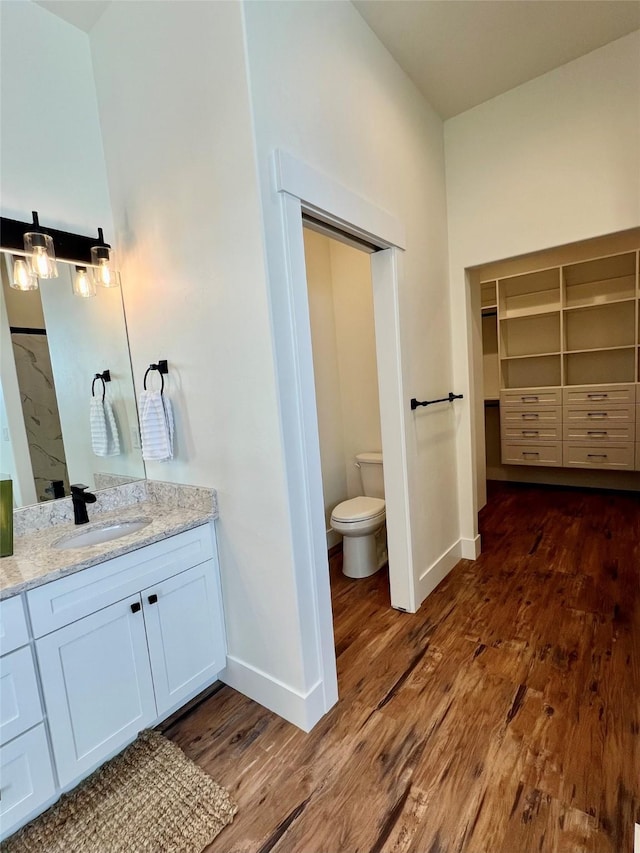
[[302, 188]]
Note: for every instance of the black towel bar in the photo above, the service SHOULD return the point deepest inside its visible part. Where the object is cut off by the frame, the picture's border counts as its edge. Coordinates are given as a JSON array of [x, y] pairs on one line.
[[415, 403]]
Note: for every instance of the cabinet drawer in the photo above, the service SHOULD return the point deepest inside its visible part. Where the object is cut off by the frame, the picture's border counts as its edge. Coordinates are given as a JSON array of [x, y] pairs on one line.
[[13, 625], [637, 423], [593, 433], [534, 417], [26, 778], [531, 397], [20, 707], [534, 432], [518, 453], [67, 599], [577, 454], [585, 415], [600, 394]]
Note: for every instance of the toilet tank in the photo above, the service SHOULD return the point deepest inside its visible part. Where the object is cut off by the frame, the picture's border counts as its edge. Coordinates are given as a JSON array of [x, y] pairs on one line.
[[371, 473]]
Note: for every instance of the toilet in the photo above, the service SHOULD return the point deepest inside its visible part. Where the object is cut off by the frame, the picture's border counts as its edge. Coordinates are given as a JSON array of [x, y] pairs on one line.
[[361, 521]]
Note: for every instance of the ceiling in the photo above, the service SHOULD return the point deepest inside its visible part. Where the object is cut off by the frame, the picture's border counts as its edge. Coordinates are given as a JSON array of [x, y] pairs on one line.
[[460, 53]]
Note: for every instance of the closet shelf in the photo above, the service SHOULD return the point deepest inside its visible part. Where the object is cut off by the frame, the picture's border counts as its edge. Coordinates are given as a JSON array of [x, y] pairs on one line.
[[538, 311], [599, 349], [600, 304], [530, 355]]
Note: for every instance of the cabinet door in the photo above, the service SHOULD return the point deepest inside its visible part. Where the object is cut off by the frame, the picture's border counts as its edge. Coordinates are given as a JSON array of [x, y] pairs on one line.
[[185, 632], [97, 686]]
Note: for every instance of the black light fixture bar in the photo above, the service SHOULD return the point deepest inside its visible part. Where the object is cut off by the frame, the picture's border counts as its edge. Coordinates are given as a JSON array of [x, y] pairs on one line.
[[68, 246]]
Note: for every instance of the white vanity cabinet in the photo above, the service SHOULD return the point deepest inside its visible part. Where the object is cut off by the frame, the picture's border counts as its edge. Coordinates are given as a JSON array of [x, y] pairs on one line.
[[26, 774], [123, 644]]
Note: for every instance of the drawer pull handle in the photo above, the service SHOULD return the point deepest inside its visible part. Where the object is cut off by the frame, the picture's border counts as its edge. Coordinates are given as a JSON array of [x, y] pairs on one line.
[[531, 432], [597, 414], [597, 396], [530, 416], [596, 455], [152, 598], [597, 432], [530, 397], [531, 453], [135, 607]]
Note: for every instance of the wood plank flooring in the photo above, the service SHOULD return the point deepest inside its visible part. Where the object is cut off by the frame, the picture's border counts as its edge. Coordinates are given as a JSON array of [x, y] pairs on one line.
[[503, 717]]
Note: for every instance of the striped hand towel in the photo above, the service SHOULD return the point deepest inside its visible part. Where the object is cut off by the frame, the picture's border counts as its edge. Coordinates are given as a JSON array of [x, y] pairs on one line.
[[156, 426], [105, 440]]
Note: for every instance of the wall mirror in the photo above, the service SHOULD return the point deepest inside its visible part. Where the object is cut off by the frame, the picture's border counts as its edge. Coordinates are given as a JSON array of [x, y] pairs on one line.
[[53, 343]]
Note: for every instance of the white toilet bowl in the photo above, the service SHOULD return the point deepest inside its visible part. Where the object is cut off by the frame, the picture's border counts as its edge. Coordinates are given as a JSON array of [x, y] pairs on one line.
[[361, 521]]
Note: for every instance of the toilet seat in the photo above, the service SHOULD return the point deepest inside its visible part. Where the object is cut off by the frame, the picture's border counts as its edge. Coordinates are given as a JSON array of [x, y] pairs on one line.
[[359, 509]]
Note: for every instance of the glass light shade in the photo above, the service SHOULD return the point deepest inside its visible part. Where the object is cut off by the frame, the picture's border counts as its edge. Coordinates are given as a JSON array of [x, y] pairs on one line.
[[23, 278], [103, 270], [82, 283], [42, 256]]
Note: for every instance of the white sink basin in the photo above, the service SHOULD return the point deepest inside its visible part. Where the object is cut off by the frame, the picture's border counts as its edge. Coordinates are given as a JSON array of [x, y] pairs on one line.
[[105, 533]]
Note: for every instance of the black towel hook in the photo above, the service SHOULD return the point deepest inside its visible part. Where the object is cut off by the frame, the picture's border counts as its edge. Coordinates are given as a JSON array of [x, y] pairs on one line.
[[104, 377], [162, 367]]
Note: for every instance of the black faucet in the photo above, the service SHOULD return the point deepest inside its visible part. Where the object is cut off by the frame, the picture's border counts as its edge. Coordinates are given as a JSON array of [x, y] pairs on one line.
[[80, 498]]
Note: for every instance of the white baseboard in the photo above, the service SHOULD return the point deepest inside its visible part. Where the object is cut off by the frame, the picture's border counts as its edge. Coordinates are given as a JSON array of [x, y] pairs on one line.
[[302, 709], [470, 548], [430, 578], [333, 538]]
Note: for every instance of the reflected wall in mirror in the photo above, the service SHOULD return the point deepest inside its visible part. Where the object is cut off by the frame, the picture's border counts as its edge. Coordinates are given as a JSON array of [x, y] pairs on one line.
[[53, 343]]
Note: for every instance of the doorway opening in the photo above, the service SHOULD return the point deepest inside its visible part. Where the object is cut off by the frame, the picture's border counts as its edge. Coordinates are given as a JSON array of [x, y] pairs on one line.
[[342, 322]]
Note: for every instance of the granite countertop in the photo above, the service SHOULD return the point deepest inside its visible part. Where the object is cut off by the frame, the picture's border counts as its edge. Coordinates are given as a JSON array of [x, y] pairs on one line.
[[35, 561]]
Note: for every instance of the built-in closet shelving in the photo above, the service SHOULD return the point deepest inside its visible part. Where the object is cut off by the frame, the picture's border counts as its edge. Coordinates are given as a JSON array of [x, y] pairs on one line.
[[567, 364]]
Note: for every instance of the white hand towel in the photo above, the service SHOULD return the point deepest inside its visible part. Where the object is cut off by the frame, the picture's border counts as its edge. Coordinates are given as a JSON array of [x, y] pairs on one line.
[[105, 440], [156, 426]]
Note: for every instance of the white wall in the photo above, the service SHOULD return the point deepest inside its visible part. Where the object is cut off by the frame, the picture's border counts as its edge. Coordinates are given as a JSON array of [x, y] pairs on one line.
[[176, 122], [51, 157], [325, 90], [553, 161], [344, 362]]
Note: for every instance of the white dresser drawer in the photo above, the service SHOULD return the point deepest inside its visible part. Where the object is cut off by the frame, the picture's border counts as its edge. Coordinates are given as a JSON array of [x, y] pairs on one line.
[[615, 394], [13, 625], [617, 456], [531, 397], [541, 415], [518, 453], [26, 778], [67, 599], [585, 415], [20, 707], [534, 432], [593, 433]]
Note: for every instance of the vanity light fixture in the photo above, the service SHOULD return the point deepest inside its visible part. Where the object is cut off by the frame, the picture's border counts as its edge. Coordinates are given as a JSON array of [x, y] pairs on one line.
[[40, 251], [83, 283], [103, 269], [38, 257], [23, 278]]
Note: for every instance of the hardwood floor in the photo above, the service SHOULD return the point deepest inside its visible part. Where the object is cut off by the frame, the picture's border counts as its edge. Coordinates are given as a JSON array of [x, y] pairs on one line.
[[503, 717]]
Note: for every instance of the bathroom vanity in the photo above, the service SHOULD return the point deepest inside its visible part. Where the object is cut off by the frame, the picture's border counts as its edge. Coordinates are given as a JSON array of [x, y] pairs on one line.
[[98, 647]]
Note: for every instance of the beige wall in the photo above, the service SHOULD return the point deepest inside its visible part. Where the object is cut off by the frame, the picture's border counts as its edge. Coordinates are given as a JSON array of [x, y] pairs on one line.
[[344, 362]]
